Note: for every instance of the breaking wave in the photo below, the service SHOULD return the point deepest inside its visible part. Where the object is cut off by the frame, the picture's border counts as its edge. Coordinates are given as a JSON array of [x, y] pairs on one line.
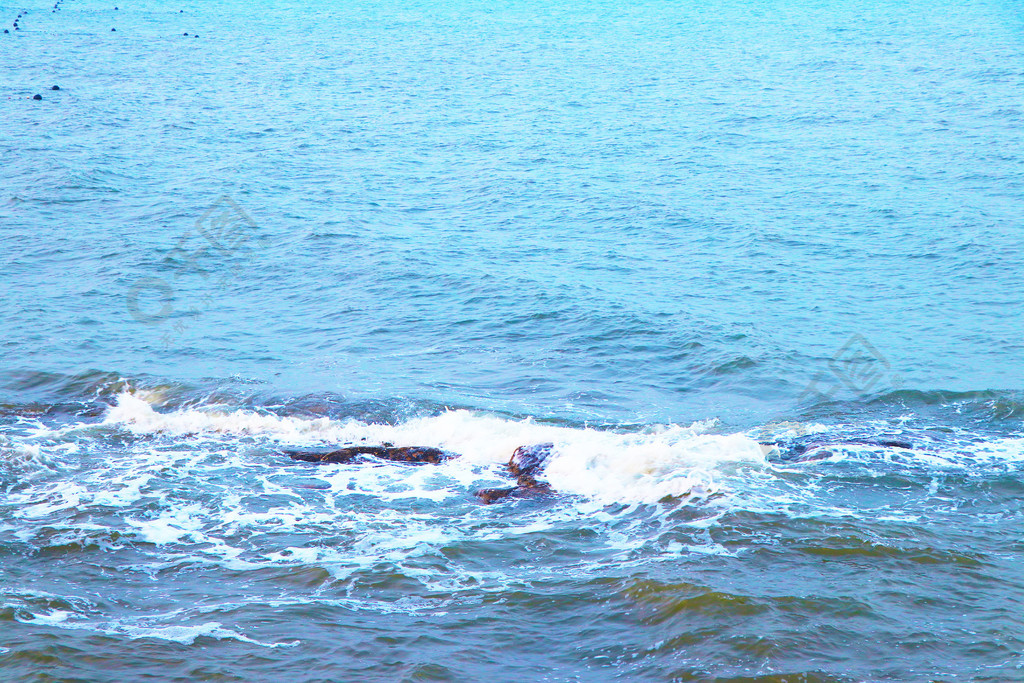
[[607, 466]]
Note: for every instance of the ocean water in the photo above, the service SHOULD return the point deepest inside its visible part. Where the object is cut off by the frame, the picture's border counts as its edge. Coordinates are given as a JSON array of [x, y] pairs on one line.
[[653, 234]]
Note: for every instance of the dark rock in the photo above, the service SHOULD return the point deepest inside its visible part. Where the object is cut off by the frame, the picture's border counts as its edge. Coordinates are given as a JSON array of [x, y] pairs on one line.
[[416, 455], [526, 464], [489, 496], [817, 447], [37, 97], [529, 461], [56, 87]]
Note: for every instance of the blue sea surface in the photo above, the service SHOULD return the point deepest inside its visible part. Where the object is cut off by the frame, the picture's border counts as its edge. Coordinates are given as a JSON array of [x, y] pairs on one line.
[[653, 234]]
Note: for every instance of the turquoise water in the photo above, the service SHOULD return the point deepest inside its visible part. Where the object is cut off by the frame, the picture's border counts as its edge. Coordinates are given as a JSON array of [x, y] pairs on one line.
[[652, 234]]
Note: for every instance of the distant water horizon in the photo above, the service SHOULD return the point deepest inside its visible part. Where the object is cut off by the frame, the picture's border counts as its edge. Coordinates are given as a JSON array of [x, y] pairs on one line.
[[658, 237]]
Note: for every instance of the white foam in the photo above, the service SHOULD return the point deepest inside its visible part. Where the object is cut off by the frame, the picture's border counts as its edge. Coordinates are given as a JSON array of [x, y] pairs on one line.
[[171, 527], [47, 619], [67, 496], [645, 468], [130, 491], [1006, 449], [663, 461], [187, 635], [25, 455], [135, 414]]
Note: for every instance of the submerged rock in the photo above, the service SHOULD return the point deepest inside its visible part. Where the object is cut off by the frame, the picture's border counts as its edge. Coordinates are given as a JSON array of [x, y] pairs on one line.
[[815, 447], [416, 455], [526, 464]]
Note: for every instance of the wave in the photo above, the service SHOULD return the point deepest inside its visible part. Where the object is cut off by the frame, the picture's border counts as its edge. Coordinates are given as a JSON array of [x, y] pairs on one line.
[[659, 462], [91, 392], [186, 635], [637, 463], [983, 406], [145, 487]]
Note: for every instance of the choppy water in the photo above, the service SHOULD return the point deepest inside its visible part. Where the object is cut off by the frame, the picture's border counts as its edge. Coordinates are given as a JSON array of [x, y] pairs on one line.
[[654, 234]]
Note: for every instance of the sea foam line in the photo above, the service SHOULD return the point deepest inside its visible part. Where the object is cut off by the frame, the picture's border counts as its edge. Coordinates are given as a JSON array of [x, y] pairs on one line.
[[663, 461]]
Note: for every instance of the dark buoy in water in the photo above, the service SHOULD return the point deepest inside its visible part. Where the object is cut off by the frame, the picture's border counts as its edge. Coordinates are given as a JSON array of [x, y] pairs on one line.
[[37, 97], [113, 29], [56, 87], [6, 31], [184, 34]]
